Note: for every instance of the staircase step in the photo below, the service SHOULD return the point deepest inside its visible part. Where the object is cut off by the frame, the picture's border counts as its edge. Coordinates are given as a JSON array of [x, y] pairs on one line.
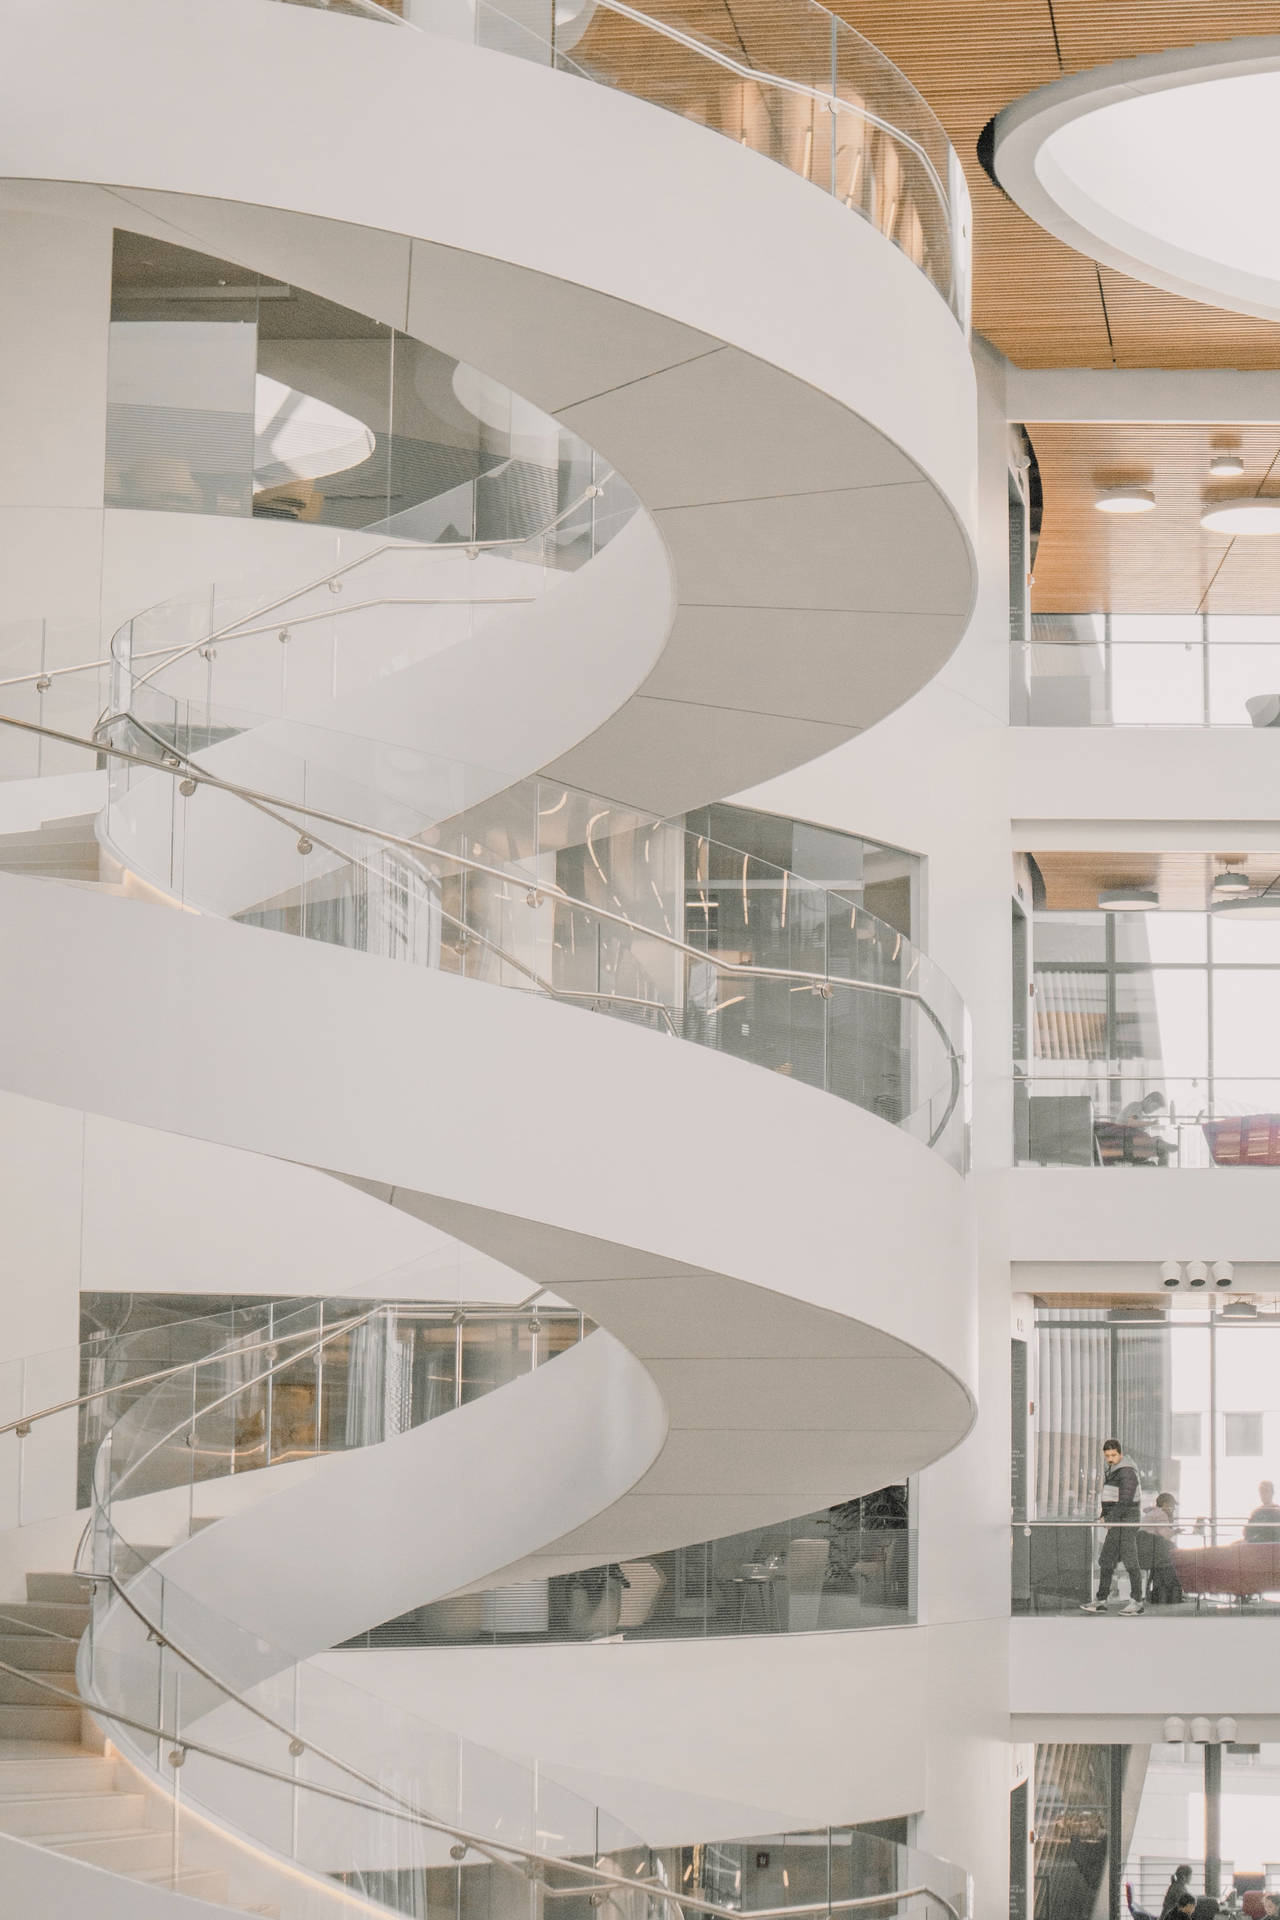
[[59, 1773], [36, 1652], [40, 1723], [53, 1616], [135, 1850], [48, 1816], [69, 1587], [35, 1693]]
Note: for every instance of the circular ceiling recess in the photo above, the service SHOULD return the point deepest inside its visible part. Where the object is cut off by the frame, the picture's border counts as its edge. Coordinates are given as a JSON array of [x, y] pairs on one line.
[[1162, 167]]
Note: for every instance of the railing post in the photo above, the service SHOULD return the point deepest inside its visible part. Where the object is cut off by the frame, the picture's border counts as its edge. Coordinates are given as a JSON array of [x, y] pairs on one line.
[[22, 1438]]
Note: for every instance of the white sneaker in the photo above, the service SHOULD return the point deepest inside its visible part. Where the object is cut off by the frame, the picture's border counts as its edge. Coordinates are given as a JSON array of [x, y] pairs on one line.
[[1094, 1606], [1134, 1606]]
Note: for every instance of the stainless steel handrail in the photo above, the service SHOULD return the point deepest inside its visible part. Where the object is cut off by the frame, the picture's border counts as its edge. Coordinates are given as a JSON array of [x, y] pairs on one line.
[[175, 762], [472, 548], [392, 1805], [488, 1848]]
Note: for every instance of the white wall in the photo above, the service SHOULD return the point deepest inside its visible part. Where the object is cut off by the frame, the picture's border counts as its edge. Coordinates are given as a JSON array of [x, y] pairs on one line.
[[933, 777], [55, 291], [786, 1731]]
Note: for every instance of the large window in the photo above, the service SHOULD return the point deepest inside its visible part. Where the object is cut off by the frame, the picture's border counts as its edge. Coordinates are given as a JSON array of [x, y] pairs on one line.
[[1154, 1034], [1192, 1390]]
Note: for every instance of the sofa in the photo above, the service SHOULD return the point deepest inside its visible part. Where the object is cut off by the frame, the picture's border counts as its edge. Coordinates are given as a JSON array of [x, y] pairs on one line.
[[1241, 1568]]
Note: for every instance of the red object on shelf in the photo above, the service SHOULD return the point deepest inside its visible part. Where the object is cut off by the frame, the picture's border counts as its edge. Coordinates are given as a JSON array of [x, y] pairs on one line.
[[1244, 1140]]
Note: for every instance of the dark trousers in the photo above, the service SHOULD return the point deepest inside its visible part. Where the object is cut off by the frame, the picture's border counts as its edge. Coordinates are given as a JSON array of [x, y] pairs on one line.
[[1121, 1543]]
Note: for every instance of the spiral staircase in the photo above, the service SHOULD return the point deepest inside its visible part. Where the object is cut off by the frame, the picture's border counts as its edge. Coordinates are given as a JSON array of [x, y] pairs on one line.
[[503, 1016]]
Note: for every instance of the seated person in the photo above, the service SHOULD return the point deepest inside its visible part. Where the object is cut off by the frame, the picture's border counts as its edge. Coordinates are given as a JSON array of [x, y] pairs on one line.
[[1263, 1527], [1142, 1119], [1159, 1525]]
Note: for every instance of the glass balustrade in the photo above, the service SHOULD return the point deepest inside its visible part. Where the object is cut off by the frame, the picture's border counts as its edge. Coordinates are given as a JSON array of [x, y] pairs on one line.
[[361, 842], [1207, 1568], [801, 88], [279, 1775], [315, 1773], [1147, 670]]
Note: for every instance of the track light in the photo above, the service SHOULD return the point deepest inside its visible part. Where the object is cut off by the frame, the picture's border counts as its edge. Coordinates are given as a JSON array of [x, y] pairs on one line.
[[1175, 1730], [1201, 1732], [1223, 1273], [1197, 1273], [1171, 1273], [1226, 1729]]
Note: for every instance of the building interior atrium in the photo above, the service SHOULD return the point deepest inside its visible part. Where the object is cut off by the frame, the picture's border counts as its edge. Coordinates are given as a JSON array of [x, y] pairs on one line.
[[639, 960]]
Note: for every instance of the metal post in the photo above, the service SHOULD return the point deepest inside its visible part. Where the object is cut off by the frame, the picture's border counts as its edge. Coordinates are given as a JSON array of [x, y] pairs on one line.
[[21, 1437], [1115, 1833], [457, 1360], [270, 1401], [319, 1427], [1212, 1819], [176, 1847]]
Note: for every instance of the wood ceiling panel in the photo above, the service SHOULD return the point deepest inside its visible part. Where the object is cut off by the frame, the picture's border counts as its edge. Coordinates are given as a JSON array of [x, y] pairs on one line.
[[1182, 879], [1034, 298], [1161, 562]]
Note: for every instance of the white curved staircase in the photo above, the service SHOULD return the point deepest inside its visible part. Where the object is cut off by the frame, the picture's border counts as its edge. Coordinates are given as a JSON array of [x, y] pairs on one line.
[[801, 565]]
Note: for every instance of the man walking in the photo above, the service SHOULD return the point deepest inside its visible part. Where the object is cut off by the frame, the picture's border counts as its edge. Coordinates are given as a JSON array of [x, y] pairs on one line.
[[1122, 1510]]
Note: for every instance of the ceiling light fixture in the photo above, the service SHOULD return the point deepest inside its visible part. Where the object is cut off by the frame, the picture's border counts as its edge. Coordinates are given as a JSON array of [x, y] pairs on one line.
[[1231, 882], [1242, 517], [1128, 899], [1125, 500], [1263, 906], [1225, 464]]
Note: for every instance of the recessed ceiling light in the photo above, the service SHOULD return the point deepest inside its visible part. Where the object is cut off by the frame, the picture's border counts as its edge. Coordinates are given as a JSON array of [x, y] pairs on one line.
[[1226, 463], [1128, 899], [1125, 500], [1242, 516]]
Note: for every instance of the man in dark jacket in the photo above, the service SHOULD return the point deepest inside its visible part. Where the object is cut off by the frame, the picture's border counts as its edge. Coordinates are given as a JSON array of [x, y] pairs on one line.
[[1122, 1510]]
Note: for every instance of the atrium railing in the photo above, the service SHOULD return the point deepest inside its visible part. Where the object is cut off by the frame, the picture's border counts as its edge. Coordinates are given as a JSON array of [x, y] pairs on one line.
[[1125, 1118], [799, 86], [1147, 670], [1201, 1567], [312, 1773]]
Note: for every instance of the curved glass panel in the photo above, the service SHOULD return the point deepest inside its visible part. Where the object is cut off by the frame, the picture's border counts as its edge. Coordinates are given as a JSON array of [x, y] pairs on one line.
[[799, 86], [336, 835]]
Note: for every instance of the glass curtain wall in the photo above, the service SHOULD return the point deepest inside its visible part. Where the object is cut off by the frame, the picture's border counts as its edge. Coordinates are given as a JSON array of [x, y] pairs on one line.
[[1146, 670], [1154, 1041]]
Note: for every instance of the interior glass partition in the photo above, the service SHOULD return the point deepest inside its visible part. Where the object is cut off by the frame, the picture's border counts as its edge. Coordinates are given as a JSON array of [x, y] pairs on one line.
[[230, 393], [843, 1568]]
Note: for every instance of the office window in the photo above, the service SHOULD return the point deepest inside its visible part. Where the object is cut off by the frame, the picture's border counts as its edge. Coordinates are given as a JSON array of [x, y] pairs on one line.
[[1185, 1441], [1243, 1434]]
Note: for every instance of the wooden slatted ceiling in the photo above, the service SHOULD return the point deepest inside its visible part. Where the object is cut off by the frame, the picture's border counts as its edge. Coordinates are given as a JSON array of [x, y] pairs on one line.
[[1034, 298], [1182, 879], [1160, 562]]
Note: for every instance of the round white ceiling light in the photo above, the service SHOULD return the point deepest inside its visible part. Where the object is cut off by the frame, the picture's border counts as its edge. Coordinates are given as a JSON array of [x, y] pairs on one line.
[[1125, 500], [1231, 881], [1242, 517], [1225, 464], [1128, 899], [1103, 159]]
